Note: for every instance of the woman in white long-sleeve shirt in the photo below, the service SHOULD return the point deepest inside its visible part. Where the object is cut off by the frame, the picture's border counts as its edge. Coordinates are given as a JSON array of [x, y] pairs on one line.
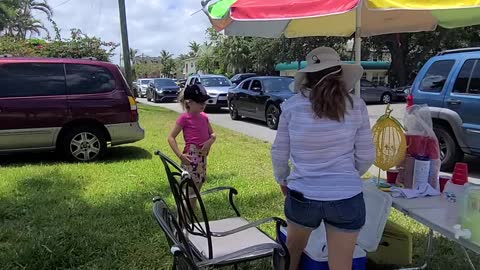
[[324, 136]]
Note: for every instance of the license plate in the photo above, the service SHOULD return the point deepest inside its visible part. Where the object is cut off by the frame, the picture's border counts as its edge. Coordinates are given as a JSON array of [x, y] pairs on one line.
[[222, 98]]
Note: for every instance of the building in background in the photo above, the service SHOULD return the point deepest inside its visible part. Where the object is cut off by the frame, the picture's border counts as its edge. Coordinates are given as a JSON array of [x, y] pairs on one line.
[[190, 67], [375, 71], [147, 59]]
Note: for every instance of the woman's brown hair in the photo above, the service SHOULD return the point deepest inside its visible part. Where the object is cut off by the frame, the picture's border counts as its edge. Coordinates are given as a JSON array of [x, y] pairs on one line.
[[329, 97]]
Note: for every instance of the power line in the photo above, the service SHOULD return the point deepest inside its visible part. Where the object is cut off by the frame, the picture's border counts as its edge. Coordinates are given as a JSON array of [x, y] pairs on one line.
[[61, 4]]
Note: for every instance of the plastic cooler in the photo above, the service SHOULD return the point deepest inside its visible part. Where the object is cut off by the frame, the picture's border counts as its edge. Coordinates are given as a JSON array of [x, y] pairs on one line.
[[378, 205]]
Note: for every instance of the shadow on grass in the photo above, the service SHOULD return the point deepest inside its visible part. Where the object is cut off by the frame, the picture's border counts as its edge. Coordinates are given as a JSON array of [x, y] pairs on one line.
[[113, 154], [54, 221], [220, 177]]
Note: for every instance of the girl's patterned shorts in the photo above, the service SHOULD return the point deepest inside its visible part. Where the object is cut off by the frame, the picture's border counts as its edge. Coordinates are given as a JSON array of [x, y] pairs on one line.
[[198, 168]]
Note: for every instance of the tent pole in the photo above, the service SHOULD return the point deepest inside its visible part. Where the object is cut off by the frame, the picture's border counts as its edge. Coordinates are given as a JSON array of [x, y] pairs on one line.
[[358, 41]]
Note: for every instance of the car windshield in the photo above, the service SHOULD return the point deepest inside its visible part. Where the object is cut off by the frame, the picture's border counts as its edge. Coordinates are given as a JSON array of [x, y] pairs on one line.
[[278, 84], [216, 82], [164, 83], [144, 82], [236, 77]]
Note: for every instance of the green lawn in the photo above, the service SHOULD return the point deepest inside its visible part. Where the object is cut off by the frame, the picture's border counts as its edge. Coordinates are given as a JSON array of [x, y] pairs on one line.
[[57, 215]]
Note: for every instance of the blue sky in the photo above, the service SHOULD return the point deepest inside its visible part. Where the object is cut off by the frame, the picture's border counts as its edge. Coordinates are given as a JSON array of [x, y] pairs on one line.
[[153, 25]]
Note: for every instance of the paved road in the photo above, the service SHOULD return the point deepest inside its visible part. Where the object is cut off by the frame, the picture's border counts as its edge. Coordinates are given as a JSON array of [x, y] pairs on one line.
[[259, 130]]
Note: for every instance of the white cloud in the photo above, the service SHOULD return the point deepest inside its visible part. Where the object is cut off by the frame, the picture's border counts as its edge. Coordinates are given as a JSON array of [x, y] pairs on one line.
[[153, 25]]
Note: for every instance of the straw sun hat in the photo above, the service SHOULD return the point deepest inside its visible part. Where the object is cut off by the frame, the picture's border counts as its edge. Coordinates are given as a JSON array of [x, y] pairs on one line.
[[323, 58]]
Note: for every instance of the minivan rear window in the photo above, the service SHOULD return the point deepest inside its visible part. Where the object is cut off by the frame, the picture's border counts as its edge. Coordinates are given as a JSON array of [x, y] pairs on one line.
[[436, 76], [31, 79], [88, 79]]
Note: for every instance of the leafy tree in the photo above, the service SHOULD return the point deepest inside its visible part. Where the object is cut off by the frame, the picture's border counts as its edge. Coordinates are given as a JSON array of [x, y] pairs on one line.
[[409, 51], [8, 9], [78, 45], [148, 70], [296, 49]]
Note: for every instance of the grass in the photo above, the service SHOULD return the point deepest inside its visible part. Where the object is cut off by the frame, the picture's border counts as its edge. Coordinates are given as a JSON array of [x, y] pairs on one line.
[[58, 215]]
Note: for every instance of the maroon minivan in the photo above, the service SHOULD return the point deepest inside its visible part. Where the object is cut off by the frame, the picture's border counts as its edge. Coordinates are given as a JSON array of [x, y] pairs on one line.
[[74, 106]]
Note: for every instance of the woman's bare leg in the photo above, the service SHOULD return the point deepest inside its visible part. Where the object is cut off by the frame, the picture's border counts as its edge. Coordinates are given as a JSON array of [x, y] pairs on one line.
[[341, 246], [297, 239]]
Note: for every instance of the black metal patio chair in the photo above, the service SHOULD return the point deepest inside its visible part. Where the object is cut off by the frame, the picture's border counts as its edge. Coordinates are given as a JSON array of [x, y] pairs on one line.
[[234, 237], [184, 258]]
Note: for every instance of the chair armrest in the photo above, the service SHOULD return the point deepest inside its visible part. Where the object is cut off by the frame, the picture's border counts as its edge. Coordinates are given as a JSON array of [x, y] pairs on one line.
[[248, 226], [217, 189], [232, 192]]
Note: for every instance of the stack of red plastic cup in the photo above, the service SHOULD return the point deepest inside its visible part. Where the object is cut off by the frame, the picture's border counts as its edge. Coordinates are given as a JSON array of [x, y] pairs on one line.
[[460, 174]]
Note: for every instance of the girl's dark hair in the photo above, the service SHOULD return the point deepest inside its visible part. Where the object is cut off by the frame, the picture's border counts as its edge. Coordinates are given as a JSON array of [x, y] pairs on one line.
[[329, 98]]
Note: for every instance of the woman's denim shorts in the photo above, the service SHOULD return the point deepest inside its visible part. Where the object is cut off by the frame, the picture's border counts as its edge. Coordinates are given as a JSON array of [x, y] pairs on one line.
[[345, 215]]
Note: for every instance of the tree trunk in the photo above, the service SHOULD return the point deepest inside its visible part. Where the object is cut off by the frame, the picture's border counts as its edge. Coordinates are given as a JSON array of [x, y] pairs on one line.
[[398, 47]]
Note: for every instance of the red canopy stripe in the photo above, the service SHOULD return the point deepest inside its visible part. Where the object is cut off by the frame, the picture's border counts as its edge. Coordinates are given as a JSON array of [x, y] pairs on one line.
[[288, 9]]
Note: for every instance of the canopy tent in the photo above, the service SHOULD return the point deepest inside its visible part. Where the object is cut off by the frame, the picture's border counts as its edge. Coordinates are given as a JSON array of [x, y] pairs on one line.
[[302, 18]]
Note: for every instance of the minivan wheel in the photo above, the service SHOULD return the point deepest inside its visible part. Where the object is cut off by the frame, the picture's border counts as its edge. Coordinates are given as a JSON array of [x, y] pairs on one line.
[[386, 98], [84, 143], [450, 151]]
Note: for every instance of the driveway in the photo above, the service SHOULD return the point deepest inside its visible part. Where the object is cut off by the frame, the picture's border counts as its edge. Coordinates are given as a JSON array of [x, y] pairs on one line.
[[258, 129]]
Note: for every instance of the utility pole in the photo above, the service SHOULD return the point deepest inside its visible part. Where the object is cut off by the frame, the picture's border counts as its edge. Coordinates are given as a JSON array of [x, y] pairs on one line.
[[125, 46]]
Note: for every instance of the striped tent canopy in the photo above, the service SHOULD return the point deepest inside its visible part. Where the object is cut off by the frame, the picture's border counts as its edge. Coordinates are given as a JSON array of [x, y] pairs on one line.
[[301, 18]]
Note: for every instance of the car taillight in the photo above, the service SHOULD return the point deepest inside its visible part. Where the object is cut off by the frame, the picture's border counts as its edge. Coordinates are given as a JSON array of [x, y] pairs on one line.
[[409, 100], [133, 109]]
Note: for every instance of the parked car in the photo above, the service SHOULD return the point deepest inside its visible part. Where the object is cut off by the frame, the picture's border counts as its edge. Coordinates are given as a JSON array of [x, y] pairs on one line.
[[216, 86], [142, 85], [260, 98], [181, 83], [162, 90], [449, 84], [371, 92], [135, 89], [238, 78], [402, 92], [70, 105]]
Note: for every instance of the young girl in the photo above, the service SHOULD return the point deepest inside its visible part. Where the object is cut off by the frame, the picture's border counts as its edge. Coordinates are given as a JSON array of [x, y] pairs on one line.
[[197, 133]]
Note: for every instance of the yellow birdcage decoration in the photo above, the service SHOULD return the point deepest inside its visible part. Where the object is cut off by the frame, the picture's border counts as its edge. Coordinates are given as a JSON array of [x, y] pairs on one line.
[[390, 141]]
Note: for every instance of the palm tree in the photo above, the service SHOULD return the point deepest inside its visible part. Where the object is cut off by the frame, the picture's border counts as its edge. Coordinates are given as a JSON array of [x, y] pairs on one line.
[[168, 64], [238, 53], [194, 48], [30, 25], [206, 55], [20, 20], [38, 5], [165, 55]]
